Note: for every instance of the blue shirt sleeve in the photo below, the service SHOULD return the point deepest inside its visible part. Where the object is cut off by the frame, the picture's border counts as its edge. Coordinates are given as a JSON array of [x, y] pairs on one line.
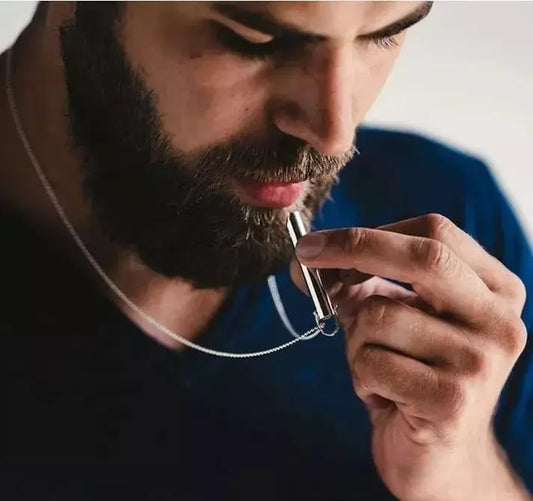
[[490, 218]]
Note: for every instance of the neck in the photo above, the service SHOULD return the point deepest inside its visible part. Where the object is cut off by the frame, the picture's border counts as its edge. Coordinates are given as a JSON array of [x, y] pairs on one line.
[[40, 97]]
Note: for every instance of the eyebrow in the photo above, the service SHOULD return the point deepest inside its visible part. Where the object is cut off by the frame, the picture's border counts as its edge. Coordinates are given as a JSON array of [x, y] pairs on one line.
[[266, 23]]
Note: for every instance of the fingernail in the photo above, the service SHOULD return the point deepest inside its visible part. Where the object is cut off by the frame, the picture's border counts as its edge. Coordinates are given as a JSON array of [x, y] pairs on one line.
[[310, 245]]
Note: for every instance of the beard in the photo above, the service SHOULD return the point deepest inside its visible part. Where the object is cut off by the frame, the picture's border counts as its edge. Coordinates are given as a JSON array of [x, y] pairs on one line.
[[176, 210]]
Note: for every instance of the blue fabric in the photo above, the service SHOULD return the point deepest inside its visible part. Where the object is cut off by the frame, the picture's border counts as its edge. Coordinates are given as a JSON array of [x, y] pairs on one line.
[[397, 176], [283, 426]]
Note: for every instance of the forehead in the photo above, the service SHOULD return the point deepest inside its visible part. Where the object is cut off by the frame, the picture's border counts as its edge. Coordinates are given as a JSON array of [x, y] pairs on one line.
[[332, 19]]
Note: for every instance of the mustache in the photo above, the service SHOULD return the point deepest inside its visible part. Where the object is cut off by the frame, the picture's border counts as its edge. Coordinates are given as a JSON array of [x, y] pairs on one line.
[[281, 158]]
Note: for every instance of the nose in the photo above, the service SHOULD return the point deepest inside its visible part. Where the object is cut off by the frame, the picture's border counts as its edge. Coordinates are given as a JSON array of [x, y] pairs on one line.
[[316, 101]]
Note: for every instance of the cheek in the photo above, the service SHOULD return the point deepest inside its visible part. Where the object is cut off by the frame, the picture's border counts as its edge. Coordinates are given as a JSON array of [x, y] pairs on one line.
[[203, 95], [202, 101], [372, 77]]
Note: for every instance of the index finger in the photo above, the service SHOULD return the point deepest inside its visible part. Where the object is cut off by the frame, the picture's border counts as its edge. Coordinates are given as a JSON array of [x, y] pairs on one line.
[[496, 276], [435, 272]]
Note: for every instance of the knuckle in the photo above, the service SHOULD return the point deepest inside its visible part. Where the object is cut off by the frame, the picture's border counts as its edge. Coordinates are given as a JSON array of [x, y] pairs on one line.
[[437, 226], [491, 311], [507, 332], [352, 240], [513, 334], [435, 256], [471, 361], [517, 289], [452, 397]]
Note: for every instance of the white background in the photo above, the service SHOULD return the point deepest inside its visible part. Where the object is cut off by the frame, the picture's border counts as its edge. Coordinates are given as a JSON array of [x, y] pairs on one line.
[[465, 76]]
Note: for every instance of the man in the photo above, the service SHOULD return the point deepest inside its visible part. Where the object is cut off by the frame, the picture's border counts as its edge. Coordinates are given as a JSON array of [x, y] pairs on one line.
[[151, 155]]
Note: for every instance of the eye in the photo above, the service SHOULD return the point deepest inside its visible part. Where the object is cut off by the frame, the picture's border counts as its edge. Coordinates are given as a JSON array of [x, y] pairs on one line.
[[246, 48], [387, 42], [277, 46]]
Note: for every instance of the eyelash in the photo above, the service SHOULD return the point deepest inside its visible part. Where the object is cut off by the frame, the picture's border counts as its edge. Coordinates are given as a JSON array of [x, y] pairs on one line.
[[234, 42], [388, 42]]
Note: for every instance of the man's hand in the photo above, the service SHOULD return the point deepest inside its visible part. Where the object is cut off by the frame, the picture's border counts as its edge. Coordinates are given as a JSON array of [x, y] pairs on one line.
[[429, 363]]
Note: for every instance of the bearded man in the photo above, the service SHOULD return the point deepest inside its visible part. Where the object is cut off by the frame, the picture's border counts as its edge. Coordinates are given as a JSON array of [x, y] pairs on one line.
[[155, 340]]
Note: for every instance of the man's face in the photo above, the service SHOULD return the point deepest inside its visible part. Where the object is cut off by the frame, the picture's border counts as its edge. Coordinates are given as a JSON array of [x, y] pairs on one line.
[[203, 124]]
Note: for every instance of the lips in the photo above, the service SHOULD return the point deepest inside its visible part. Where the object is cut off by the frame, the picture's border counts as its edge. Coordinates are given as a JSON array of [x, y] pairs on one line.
[[270, 194]]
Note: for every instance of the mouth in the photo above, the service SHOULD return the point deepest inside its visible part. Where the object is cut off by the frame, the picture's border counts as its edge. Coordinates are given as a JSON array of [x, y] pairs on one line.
[[272, 195]]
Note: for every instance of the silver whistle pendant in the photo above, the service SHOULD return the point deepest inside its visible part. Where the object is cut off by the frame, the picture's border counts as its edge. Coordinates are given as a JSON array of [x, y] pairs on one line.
[[325, 313]]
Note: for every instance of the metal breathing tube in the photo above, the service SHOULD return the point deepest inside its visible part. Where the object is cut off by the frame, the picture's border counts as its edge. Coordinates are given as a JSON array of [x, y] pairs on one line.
[[325, 313]]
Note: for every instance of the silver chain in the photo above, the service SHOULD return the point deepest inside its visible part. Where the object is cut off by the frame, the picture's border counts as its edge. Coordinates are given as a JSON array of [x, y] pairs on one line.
[[152, 321]]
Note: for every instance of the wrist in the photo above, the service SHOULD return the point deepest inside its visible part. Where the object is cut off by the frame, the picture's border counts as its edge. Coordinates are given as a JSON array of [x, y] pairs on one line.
[[507, 484], [484, 474], [493, 477]]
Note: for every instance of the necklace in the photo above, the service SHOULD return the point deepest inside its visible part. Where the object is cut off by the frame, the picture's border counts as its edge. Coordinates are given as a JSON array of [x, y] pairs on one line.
[[74, 234]]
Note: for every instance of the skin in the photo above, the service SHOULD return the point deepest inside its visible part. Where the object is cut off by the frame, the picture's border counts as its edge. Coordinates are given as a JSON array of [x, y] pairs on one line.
[[327, 112], [428, 364], [245, 97], [426, 443]]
